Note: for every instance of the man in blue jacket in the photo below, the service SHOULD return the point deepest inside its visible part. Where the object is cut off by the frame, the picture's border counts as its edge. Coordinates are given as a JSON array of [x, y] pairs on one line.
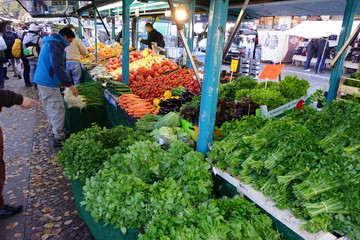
[[49, 74]]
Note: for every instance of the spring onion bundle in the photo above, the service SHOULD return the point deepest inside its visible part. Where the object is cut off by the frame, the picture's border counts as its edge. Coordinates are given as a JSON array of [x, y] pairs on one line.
[[91, 94]]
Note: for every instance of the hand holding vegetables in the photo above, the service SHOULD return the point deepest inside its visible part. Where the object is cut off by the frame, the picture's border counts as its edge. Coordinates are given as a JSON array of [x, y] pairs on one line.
[[74, 90]]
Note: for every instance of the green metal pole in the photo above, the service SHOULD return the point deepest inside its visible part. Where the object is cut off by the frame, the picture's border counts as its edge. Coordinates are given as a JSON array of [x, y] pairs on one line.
[[134, 38], [113, 28], [348, 20], [126, 40], [137, 33], [190, 30], [96, 40], [80, 28], [78, 6], [215, 43]]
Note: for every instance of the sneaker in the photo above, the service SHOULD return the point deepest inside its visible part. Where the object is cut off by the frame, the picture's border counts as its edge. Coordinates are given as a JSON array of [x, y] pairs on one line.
[[8, 210], [307, 70], [58, 142]]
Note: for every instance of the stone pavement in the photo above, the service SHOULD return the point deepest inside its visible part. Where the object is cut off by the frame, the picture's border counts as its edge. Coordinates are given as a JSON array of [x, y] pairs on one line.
[[34, 179]]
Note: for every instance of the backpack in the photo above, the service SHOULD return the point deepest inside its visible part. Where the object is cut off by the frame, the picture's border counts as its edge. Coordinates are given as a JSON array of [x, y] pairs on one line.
[[32, 50], [9, 39], [16, 48]]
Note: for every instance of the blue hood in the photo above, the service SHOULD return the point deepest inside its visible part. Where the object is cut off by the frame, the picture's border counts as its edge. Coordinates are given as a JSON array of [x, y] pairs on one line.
[[56, 37], [50, 70]]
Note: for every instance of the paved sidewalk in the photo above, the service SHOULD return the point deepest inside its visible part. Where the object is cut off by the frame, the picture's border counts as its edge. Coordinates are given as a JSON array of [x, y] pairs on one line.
[[34, 179]]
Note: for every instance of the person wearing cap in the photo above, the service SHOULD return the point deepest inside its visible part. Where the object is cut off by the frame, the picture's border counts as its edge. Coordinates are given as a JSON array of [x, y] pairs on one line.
[[73, 58], [32, 38], [49, 74]]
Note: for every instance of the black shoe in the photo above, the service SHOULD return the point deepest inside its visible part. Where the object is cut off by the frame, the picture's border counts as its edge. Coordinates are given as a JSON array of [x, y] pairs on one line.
[[58, 142], [28, 85], [67, 132], [8, 210], [6, 77], [19, 77]]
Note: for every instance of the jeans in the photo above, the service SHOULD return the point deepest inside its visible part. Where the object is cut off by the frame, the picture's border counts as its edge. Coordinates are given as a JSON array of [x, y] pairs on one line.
[[308, 60], [320, 62], [33, 65], [2, 170], [52, 102], [26, 74], [2, 77], [73, 70]]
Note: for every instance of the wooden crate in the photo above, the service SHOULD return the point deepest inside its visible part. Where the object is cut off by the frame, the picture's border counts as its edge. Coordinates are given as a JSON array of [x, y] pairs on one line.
[[347, 89]]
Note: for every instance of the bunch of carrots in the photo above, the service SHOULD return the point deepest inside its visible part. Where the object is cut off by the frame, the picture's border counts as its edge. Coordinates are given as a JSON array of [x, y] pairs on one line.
[[135, 106]]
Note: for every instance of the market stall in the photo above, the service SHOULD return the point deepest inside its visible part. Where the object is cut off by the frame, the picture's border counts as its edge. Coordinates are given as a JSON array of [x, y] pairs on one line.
[[165, 110], [317, 30]]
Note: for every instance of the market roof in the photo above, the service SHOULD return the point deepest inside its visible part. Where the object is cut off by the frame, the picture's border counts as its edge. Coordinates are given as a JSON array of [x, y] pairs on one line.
[[256, 8]]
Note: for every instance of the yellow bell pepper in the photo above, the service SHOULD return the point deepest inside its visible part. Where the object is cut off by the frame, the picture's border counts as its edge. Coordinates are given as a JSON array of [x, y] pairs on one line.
[[167, 94], [156, 102]]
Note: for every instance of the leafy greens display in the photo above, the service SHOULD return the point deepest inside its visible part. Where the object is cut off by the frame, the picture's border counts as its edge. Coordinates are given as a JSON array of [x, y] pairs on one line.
[[307, 161]]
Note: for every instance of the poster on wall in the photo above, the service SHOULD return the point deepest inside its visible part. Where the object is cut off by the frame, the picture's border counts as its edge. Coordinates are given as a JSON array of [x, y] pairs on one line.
[[274, 45]]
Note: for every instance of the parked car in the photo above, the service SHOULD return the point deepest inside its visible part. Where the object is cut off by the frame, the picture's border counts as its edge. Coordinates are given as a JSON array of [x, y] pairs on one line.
[[235, 51]]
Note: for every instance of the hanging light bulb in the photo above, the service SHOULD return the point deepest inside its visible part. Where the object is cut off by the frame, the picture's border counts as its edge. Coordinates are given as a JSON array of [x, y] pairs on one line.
[[182, 14]]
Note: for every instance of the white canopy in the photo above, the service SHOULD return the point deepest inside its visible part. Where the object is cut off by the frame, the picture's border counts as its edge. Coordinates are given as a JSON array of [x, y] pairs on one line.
[[317, 29]]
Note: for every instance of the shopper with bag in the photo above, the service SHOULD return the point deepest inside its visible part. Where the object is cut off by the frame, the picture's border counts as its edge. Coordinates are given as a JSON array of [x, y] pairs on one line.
[[17, 51], [3, 60], [9, 37], [32, 45]]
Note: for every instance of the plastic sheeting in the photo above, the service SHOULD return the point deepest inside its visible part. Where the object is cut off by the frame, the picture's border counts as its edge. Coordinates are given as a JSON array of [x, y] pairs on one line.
[[317, 29], [273, 45]]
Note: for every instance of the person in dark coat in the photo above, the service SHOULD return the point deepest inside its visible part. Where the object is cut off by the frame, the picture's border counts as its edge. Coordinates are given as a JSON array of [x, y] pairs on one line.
[[8, 99], [323, 50], [153, 36], [9, 37], [311, 51]]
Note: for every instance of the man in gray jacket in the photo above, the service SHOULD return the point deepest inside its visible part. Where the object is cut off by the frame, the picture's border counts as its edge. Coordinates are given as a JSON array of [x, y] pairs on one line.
[[32, 38]]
